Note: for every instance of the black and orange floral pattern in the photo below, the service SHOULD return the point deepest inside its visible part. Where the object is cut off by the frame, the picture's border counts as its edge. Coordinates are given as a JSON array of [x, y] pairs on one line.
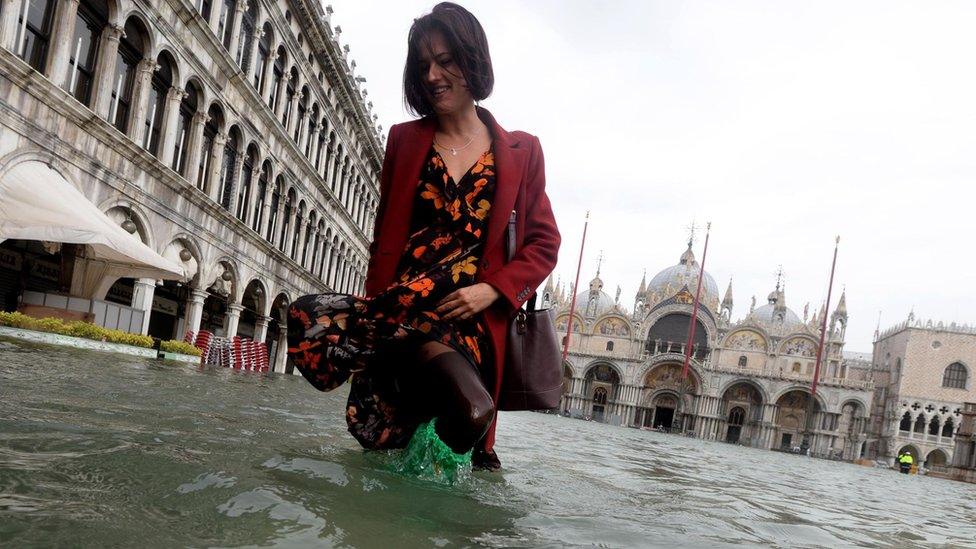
[[333, 336]]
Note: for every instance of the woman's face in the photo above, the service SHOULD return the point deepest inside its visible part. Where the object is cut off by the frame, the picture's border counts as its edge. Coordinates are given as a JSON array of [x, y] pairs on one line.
[[446, 88]]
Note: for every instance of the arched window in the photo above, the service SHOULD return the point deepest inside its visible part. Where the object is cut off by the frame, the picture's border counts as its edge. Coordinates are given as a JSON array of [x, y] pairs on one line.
[[609, 345], [162, 81], [736, 416], [289, 96], [318, 152], [244, 186], [91, 18], [743, 361], [600, 396], [277, 75], [131, 47], [289, 204], [259, 198], [934, 426], [299, 227], [184, 125], [34, 31], [225, 27], [955, 376], [906, 422], [302, 111], [313, 119], [246, 40], [273, 210], [264, 57], [919, 424], [210, 130], [205, 6], [947, 428], [228, 167]]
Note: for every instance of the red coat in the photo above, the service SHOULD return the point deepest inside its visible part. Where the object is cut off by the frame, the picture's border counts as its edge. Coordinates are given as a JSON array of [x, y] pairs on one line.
[[519, 185]]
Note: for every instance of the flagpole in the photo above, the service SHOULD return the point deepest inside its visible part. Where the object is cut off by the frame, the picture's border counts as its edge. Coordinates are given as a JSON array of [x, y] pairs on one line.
[[691, 329], [572, 305], [820, 348]]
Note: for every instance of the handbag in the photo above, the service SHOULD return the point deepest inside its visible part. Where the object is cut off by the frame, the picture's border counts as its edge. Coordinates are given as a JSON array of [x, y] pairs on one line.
[[531, 375]]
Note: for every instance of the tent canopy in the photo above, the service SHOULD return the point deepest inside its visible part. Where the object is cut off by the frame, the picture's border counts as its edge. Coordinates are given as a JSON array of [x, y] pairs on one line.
[[37, 203]]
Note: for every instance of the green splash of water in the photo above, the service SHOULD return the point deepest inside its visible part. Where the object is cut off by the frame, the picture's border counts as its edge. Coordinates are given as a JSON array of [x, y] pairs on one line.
[[427, 457]]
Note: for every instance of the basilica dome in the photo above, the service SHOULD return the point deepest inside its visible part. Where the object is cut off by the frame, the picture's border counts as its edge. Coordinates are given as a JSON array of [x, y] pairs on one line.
[[670, 281], [775, 312], [594, 302]]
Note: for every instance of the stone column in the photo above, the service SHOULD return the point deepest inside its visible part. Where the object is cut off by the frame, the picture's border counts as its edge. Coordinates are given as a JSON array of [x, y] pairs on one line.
[[281, 352], [143, 290], [140, 101], [235, 179], [282, 95], [232, 319], [329, 164], [266, 77], [289, 238], [279, 223], [265, 214], [252, 66], [9, 14], [194, 144], [59, 56], [302, 237], [108, 51], [293, 120], [313, 139], [261, 328], [194, 309], [216, 7], [168, 119], [235, 35], [252, 193], [213, 178]]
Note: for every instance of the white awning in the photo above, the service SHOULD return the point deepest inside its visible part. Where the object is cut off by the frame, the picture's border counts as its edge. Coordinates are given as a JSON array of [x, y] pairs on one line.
[[37, 203]]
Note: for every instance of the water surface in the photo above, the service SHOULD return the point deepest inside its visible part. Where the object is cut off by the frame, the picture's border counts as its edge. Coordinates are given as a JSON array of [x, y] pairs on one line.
[[100, 450]]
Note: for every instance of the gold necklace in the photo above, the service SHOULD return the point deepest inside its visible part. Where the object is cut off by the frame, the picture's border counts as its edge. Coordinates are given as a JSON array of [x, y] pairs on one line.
[[454, 150]]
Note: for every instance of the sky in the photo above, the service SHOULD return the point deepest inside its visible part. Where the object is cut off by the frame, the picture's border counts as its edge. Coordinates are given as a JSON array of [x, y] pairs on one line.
[[783, 123]]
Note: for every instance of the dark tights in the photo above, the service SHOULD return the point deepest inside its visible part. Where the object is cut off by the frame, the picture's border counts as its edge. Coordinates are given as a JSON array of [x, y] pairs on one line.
[[447, 387]]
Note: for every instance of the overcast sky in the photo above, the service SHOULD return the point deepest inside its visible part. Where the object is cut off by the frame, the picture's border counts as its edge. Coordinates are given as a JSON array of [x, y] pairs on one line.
[[782, 123]]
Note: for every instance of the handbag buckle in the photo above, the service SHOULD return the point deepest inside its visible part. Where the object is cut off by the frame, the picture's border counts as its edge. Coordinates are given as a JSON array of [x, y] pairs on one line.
[[520, 323]]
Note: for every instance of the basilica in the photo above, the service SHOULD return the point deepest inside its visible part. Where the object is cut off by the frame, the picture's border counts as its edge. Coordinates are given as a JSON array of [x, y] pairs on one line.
[[749, 380]]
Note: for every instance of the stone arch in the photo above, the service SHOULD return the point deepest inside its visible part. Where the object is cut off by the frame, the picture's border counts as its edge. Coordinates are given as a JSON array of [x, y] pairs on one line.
[[562, 322], [118, 208], [150, 49], [669, 326], [763, 393], [612, 325], [747, 339], [799, 345], [174, 63], [33, 153], [181, 241], [936, 458], [911, 449], [222, 264], [258, 290], [203, 98], [858, 403]]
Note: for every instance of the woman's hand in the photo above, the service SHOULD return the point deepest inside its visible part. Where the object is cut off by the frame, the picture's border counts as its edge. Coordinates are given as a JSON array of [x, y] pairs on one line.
[[468, 301]]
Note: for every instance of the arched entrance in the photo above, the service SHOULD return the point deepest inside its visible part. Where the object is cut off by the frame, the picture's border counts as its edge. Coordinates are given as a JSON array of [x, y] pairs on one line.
[[792, 410], [936, 460], [277, 338], [735, 420], [742, 403], [667, 378], [602, 385], [567, 387], [253, 304]]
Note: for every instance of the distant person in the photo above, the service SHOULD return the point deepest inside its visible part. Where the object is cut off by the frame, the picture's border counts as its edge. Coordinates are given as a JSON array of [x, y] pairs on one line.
[[905, 461], [428, 339]]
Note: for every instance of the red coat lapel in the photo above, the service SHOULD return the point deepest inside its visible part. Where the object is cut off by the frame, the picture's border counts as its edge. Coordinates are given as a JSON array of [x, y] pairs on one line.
[[509, 165]]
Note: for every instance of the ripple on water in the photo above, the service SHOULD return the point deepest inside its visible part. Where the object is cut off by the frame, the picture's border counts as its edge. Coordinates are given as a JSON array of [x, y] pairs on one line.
[[102, 450]]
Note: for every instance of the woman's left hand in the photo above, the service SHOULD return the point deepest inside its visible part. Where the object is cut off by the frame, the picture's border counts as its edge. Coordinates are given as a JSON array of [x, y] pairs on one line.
[[468, 301]]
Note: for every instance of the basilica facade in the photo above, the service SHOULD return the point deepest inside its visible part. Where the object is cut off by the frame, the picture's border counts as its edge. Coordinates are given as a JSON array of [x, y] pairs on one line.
[[749, 380], [232, 138]]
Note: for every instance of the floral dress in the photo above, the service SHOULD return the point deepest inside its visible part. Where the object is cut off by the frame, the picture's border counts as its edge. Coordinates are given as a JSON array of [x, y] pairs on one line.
[[334, 336]]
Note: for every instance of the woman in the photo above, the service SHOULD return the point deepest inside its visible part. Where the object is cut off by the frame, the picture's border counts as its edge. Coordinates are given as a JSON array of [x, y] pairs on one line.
[[428, 340]]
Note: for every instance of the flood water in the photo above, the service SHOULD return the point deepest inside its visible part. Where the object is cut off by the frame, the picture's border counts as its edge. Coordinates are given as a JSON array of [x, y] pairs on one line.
[[102, 450]]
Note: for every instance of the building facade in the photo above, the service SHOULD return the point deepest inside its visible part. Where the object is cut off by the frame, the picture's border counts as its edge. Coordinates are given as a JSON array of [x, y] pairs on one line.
[[924, 379], [749, 380], [230, 136]]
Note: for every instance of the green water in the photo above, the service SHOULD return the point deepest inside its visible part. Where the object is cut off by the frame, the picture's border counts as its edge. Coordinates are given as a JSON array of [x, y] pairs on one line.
[[101, 450]]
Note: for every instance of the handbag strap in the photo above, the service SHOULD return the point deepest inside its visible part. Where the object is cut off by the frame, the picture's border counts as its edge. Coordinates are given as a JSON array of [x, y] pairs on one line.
[[510, 252]]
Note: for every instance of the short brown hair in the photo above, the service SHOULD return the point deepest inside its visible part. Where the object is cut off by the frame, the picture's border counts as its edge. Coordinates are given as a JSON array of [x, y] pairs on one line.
[[468, 46]]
